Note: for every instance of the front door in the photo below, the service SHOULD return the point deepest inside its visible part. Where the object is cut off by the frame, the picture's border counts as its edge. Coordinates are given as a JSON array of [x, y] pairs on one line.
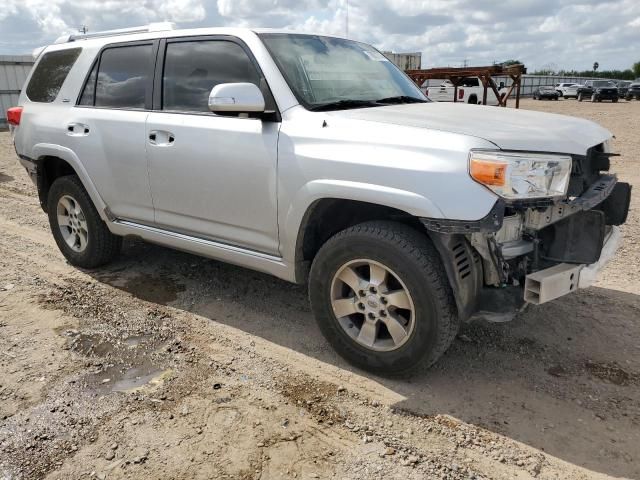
[[211, 176]]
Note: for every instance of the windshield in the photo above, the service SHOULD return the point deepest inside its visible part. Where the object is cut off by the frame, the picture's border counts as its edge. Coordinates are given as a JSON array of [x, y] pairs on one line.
[[327, 71], [550, 89], [603, 83]]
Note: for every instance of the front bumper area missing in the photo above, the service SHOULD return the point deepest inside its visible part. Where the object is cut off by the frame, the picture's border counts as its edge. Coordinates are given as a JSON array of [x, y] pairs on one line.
[[554, 282]]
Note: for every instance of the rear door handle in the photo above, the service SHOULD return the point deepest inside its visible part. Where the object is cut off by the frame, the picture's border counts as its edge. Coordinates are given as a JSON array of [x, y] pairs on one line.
[[161, 138], [77, 130]]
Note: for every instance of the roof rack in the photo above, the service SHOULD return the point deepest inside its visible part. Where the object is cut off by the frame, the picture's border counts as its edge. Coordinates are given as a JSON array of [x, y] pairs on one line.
[[152, 27]]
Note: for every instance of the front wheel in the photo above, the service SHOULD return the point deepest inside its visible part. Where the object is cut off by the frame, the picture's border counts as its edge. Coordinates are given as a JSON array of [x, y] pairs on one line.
[[81, 235], [381, 298], [580, 97], [593, 98]]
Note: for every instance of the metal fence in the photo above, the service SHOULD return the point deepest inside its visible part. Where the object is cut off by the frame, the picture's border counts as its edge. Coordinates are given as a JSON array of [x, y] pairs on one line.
[[13, 73], [531, 82]]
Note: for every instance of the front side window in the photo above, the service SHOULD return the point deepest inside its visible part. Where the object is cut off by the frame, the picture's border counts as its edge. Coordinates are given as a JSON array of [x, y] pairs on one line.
[[120, 79], [325, 70], [193, 68], [50, 74]]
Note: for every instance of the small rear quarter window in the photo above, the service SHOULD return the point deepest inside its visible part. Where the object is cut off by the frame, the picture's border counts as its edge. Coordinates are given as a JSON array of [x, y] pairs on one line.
[[50, 74]]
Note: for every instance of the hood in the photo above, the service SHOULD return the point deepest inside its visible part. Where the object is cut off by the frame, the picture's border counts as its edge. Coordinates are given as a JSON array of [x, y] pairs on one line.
[[507, 128]]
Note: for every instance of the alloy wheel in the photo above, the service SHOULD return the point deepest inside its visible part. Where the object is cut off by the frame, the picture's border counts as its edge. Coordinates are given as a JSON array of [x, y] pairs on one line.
[[72, 223], [372, 305]]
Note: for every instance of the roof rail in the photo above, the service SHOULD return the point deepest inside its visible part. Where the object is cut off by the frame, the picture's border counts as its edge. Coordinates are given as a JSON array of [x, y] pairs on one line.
[[152, 27]]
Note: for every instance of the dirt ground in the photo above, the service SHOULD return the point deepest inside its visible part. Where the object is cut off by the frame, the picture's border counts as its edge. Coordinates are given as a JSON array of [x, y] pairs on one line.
[[167, 365]]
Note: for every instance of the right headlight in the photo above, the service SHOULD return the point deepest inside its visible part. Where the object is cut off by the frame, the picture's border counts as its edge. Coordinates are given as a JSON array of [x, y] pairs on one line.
[[521, 175]]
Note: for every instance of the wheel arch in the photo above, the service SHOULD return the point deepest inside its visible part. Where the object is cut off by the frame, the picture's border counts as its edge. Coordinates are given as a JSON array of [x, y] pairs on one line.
[[54, 161], [327, 216], [322, 198]]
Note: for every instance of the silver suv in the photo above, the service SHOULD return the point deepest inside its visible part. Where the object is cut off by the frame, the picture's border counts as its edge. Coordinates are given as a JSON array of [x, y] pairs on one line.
[[316, 160]]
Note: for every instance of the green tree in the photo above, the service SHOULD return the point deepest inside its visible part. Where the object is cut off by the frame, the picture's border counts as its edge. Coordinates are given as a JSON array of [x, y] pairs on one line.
[[636, 69], [506, 63]]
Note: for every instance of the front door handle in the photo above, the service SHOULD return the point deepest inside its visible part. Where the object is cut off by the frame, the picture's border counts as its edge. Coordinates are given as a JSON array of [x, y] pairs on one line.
[[161, 138]]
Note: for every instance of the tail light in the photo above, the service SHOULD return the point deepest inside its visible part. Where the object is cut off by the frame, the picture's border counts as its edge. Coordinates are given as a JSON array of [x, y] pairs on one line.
[[13, 116], [461, 94]]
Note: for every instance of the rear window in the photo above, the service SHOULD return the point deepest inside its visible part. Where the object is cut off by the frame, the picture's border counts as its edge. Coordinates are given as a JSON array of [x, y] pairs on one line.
[[50, 74], [120, 79]]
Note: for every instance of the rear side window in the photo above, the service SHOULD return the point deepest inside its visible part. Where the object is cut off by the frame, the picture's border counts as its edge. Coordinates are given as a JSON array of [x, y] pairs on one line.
[[50, 74], [192, 69], [120, 79]]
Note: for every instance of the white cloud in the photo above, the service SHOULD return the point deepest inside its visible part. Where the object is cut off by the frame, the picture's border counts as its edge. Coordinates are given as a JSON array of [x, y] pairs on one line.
[[568, 33]]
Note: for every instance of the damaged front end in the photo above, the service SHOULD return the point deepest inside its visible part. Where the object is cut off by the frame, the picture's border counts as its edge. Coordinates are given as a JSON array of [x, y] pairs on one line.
[[534, 250]]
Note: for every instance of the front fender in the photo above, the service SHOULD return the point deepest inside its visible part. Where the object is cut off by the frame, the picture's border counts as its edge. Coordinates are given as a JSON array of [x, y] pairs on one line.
[[42, 150], [409, 202]]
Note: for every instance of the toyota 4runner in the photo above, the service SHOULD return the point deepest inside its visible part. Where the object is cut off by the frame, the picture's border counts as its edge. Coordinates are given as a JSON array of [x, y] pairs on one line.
[[316, 160]]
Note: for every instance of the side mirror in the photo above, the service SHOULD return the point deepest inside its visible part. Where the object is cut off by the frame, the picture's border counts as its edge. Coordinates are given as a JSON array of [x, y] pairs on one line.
[[236, 97]]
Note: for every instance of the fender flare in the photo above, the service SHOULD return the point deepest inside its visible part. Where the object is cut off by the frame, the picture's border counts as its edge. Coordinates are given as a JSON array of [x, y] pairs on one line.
[[310, 193], [42, 150]]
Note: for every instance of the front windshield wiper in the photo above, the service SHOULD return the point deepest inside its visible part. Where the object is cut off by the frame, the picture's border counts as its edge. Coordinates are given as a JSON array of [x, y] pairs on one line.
[[402, 99], [344, 104]]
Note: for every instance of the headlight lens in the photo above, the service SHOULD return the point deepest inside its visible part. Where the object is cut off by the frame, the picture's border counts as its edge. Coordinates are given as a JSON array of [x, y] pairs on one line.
[[516, 175]]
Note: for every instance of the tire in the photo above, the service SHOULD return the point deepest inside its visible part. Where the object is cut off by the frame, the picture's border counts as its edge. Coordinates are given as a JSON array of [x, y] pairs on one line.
[[69, 200], [555, 98], [593, 98], [473, 100], [615, 100], [409, 257], [535, 98], [580, 97]]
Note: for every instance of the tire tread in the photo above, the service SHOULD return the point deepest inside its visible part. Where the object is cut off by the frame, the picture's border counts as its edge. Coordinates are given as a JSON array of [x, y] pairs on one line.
[[425, 256]]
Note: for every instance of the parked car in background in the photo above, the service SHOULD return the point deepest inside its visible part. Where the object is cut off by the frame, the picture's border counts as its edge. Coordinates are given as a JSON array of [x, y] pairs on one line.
[[561, 88], [633, 92], [598, 90], [277, 152], [571, 91], [470, 90], [623, 86], [545, 92]]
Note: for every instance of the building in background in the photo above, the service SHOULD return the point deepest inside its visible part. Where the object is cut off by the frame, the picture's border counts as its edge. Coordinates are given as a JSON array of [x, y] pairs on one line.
[[13, 73], [405, 61]]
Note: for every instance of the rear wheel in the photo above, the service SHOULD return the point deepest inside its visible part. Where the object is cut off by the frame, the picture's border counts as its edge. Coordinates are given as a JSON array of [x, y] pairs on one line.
[[580, 97], [81, 235], [382, 299]]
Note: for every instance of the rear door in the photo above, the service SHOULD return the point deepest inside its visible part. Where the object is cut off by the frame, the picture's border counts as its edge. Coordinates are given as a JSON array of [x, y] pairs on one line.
[[212, 176], [107, 128]]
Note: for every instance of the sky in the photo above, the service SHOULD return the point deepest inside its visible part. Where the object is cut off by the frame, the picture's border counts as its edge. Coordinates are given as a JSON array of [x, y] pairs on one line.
[[569, 34]]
